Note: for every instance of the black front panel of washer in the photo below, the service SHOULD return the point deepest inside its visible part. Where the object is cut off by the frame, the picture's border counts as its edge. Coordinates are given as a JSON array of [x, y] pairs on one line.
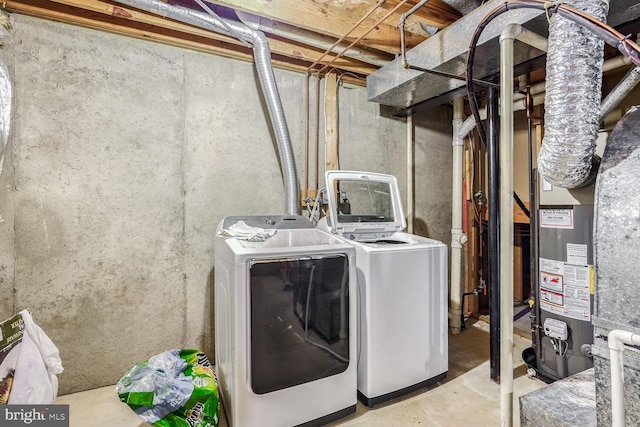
[[299, 320]]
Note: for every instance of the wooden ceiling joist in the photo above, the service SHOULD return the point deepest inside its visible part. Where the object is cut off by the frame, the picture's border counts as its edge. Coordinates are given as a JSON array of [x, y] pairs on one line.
[[435, 12], [124, 20], [299, 31], [327, 19]]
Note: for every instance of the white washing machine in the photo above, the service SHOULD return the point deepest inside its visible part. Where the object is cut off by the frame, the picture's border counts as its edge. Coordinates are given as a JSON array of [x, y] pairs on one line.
[[402, 287], [285, 324]]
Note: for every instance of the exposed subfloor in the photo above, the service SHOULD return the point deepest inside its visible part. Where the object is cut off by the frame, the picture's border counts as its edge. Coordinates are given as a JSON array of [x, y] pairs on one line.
[[466, 396]]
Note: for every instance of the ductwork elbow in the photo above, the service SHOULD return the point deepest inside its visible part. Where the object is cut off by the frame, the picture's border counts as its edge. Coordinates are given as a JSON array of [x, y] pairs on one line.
[[573, 93]]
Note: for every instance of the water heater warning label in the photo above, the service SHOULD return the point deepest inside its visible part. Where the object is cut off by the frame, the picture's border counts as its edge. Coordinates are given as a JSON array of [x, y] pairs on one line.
[[556, 218], [565, 289], [551, 282]]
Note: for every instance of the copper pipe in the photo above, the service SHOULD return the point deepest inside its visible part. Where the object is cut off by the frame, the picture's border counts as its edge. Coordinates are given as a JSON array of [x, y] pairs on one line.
[[373, 9], [381, 20]]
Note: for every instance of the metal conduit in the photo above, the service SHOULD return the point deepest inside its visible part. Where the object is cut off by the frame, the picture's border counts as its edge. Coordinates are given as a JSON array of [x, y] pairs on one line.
[[403, 19], [262, 56]]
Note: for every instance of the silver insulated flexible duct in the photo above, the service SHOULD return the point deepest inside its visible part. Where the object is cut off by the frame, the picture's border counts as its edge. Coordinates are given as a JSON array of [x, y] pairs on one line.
[[262, 56], [573, 92]]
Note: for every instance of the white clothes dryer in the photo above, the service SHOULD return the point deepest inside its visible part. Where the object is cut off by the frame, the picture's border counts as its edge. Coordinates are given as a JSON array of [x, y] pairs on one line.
[[402, 287], [285, 324]]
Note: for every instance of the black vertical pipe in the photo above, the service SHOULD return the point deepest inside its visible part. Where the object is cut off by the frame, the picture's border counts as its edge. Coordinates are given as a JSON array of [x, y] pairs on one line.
[[533, 223], [493, 236]]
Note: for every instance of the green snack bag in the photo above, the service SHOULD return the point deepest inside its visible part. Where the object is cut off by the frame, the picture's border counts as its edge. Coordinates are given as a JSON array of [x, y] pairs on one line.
[[176, 388]]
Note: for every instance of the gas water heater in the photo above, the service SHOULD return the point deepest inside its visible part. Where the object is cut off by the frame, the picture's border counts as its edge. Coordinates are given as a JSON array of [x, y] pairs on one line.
[[565, 291], [562, 315]]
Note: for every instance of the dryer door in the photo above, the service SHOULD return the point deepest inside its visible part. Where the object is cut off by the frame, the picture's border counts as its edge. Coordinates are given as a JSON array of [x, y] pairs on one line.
[[299, 320]]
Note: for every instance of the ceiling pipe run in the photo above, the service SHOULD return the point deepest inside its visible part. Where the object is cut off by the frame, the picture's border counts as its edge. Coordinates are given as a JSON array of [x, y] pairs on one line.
[[262, 57]]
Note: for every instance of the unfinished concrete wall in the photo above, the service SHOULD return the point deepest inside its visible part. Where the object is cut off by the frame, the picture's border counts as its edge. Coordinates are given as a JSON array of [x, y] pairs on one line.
[[97, 189], [124, 156], [433, 180]]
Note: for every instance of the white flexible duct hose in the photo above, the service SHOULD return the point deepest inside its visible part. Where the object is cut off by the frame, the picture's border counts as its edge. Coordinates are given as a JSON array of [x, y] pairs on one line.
[[573, 92]]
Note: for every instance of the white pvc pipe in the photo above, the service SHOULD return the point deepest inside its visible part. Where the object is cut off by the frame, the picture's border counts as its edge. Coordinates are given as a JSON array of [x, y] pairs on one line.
[[410, 173], [531, 38], [458, 238], [470, 123], [506, 224], [617, 339], [618, 93]]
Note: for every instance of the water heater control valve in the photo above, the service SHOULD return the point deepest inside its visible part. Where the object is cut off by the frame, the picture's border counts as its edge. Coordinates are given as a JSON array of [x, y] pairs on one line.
[[555, 328]]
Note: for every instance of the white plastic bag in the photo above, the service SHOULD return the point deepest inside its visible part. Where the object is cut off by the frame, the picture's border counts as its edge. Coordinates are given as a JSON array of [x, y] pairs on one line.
[[36, 362]]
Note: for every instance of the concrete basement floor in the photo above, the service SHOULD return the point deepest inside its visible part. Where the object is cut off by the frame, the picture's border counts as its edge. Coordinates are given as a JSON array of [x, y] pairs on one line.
[[466, 397]]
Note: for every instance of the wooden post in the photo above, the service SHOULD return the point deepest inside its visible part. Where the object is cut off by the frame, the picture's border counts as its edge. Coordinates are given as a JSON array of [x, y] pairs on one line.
[[331, 121]]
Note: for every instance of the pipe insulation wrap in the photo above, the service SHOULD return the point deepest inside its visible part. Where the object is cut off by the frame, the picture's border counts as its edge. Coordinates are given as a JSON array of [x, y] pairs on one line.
[[573, 92], [262, 57]]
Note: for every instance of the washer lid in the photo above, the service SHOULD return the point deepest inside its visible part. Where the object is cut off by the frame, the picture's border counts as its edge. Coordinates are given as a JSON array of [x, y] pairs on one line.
[[364, 205]]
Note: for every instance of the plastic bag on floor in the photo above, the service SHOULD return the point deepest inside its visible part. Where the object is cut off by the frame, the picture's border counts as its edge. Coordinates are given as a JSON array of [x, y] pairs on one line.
[[176, 388], [29, 362]]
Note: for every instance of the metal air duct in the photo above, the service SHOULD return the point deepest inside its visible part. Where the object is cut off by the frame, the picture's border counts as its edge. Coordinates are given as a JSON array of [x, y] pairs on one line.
[[464, 6], [617, 243]]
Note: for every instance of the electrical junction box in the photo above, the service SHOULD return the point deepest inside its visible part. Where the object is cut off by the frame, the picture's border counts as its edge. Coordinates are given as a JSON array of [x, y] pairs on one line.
[[554, 328]]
